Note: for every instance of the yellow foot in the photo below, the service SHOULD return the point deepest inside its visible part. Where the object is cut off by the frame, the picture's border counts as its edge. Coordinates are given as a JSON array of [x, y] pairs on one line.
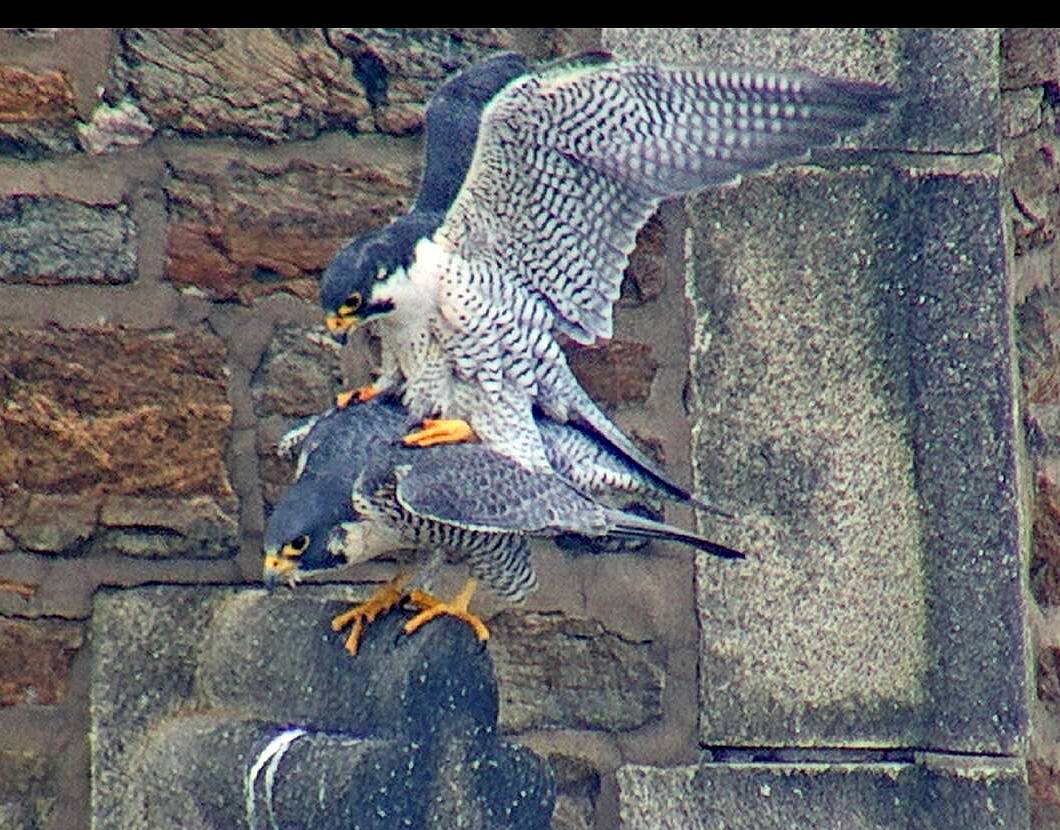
[[433, 607], [440, 432], [384, 598], [360, 394]]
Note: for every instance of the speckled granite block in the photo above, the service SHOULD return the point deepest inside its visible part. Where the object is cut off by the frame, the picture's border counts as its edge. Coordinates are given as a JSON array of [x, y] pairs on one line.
[[935, 793], [851, 388]]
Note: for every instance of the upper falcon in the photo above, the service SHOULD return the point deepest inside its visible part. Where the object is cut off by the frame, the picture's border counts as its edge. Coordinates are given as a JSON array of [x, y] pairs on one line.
[[534, 188]]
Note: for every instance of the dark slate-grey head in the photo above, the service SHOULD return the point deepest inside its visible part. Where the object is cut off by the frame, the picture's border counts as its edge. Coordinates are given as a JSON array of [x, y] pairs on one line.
[[362, 282]]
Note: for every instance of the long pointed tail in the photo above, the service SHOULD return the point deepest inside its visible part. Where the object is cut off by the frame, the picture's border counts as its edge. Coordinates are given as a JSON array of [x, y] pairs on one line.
[[629, 525], [588, 415]]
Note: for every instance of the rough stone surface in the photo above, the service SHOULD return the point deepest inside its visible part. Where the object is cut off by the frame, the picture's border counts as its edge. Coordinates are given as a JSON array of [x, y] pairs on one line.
[[1021, 111], [266, 84], [577, 790], [35, 661], [1045, 533], [1030, 57], [939, 792], [116, 439], [1033, 212], [564, 672], [282, 84], [36, 113], [645, 276], [180, 734], [51, 241], [1043, 778], [209, 773], [115, 127], [298, 374], [239, 230], [852, 387], [615, 372], [298, 377], [27, 791], [27, 96], [1033, 176], [946, 79], [401, 68]]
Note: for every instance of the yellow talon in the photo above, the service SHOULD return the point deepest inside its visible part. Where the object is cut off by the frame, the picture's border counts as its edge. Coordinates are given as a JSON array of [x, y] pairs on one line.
[[432, 607], [361, 394], [440, 432], [381, 601]]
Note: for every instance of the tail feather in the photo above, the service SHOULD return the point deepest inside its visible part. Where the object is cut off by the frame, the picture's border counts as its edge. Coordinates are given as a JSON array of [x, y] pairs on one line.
[[588, 415], [629, 525]]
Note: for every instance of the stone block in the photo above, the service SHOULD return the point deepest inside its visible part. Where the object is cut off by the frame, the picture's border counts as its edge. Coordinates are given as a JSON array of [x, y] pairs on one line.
[[114, 440], [299, 375], [290, 84], [577, 790], [116, 127], [37, 113], [565, 672], [852, 386], [265, 84], [35, 661], [241, 229], [616, 372], [208, 773], [1030, 57], [401, 68], [946, 79], [28, 791], [48, 240], [219, 707], [35, 96], [937, 792], [645, 276]]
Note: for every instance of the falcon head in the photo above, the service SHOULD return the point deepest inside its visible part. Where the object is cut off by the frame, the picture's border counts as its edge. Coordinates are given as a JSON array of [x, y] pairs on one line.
[[298, 533], [368, 278]]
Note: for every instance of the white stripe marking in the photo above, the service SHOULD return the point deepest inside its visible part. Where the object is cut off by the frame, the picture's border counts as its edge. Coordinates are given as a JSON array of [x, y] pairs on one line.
[[270, 755]]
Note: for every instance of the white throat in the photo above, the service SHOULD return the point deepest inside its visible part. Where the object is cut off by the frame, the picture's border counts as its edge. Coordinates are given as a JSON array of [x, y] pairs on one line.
[[415, 292]]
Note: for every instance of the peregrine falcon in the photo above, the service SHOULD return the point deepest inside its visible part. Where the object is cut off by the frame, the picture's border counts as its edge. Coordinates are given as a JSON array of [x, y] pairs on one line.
[[534, 188], [360, 492]]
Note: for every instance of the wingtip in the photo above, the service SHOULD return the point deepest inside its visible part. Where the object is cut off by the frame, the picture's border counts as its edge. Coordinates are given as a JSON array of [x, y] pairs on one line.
[[721, 551]]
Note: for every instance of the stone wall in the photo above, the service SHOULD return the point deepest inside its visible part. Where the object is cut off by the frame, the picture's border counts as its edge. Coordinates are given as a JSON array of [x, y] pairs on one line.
[[167, 200]]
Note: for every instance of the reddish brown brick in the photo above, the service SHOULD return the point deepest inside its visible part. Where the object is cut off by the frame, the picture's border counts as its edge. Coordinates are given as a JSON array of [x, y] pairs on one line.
[[1029, 57], [35, 661], [35, 97], [96, 414], [616, 372], [645, 276], [240, 230]]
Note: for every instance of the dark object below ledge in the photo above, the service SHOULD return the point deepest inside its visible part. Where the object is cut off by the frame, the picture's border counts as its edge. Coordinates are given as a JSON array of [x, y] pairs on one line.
[[221, 708]]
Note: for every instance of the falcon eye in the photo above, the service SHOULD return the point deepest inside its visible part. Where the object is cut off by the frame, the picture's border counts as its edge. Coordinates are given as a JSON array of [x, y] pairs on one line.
[[297, 546], [350, 304]]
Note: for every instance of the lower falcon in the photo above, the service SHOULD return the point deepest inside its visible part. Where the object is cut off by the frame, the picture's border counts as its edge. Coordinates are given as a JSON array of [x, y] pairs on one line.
[[359, 494]]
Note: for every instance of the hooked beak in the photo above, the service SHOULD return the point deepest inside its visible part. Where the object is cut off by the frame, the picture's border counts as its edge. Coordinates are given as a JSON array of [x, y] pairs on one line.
[[278, 568], [340, 327]]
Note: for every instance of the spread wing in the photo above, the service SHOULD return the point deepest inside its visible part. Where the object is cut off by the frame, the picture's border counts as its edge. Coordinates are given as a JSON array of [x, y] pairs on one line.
[[453, 116], [570, 163]]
